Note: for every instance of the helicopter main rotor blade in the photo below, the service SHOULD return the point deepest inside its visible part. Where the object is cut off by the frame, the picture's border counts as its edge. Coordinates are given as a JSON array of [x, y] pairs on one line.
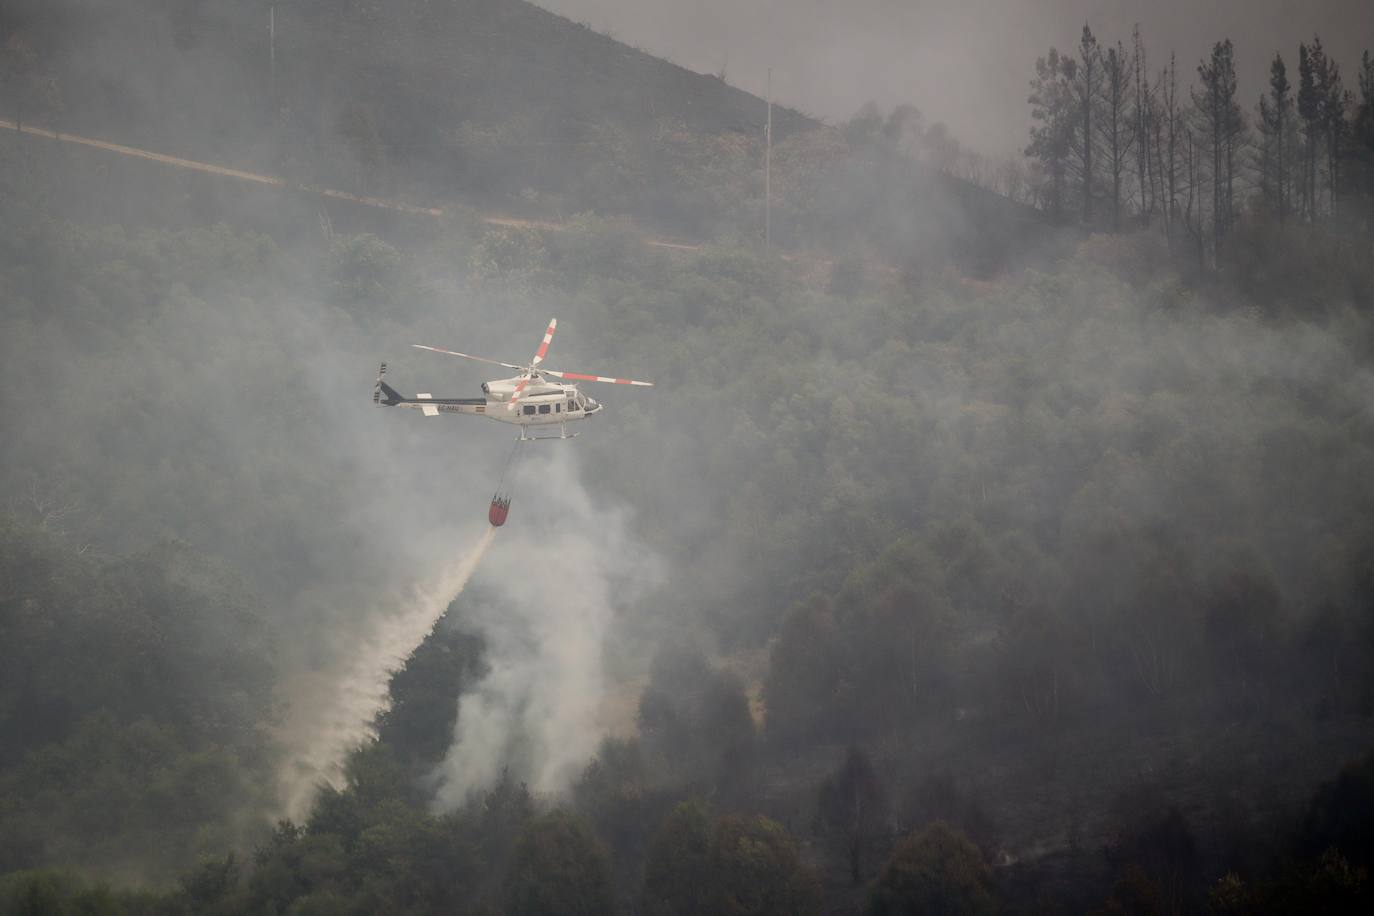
[[480, 359], [515, 395], [529, 370], [544, 347], [596, 378]]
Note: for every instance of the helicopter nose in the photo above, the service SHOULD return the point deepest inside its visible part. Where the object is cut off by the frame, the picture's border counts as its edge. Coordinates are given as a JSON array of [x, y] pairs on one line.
[[593, 406]]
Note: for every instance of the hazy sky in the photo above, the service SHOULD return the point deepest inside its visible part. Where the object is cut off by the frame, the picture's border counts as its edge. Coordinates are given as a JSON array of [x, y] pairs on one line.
[[966, 62]]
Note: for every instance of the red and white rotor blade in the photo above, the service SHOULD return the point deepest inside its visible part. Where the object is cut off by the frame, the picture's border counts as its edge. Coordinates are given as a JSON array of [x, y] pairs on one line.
[[544, 347], [596, 378], [515, 395], [480, 359]]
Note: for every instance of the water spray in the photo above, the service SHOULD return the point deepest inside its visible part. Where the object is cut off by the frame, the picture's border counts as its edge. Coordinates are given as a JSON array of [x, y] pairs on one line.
[[332, 716]]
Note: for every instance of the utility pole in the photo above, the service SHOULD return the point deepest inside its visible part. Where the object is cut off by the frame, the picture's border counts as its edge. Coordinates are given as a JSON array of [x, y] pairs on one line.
[[272, 40], [768, 170]]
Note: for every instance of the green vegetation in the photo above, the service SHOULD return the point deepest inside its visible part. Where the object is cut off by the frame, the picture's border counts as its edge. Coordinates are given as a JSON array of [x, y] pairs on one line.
[[747, 866], [132, 699], [1062, 563], [1038, 500], [937, 871], [558, 868]]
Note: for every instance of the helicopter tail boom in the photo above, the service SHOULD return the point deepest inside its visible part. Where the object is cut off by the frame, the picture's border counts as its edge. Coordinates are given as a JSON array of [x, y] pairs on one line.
[[383, 395]]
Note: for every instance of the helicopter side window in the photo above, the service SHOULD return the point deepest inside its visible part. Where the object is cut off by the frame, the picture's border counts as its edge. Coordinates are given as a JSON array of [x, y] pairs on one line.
[[543, 408], [529, 410], [558, 408]]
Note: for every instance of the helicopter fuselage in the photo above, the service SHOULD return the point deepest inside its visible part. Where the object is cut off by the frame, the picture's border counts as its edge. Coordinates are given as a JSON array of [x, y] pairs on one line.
[[547, 404]]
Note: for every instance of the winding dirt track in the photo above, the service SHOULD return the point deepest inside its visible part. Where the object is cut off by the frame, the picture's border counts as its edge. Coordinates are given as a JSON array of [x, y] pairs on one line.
[[272, 181]]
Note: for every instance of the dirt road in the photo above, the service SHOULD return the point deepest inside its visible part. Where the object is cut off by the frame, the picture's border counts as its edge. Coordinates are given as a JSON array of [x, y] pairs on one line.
[[272, 181]]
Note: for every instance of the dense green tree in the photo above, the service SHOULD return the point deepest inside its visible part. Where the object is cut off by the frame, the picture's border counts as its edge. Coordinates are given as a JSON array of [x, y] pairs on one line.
[[695, 720], [806, 676], [747, 866], [935, 871], [36, 894], [678, 876], [614, 780], [558, 867], [418, 725], [755, 870], [493, 822], [366, 272], [212, 886], [618, 795], [294, 864], [130, 707], [51, 893]]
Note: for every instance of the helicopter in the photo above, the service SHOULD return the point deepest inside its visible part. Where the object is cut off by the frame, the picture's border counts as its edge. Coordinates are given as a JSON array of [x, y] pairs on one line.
[[530, 399]]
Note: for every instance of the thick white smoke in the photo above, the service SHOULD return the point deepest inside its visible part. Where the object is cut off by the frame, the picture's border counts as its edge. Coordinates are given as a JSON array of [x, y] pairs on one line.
[[566, 566], [332, 714]]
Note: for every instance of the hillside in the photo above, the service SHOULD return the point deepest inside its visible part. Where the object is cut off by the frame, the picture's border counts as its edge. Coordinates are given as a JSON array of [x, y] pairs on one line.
[[433, 94], [1049, 590], [1097, 545], [494, 103], [485, 60]]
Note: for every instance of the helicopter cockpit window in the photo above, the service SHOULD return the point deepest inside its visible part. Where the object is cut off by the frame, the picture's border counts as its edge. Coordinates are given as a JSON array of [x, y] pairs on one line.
[[529, 410], [543, 408]]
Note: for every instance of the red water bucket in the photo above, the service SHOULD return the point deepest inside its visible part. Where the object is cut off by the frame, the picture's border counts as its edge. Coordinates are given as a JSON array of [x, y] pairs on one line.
[[500, 508]]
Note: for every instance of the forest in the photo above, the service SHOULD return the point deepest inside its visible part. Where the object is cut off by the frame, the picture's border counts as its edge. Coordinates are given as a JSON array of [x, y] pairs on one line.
[[1001, 539]]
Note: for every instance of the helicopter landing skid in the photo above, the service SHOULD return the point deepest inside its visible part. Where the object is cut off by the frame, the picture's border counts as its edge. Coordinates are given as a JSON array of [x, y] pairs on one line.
[[564, 434]]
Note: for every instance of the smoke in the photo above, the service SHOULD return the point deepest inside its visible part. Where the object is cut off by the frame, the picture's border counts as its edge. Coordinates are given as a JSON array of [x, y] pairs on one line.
[[331, 714], [569, 571]]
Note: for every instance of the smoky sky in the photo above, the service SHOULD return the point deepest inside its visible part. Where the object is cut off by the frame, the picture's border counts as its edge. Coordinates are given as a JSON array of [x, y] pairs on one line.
[[963, 62]]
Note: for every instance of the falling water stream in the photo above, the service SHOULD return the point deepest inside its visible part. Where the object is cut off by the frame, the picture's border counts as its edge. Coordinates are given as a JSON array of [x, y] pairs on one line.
[[333, 715]]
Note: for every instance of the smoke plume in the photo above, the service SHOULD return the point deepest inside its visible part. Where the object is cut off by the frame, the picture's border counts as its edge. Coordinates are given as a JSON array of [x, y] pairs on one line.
[[570, 569]]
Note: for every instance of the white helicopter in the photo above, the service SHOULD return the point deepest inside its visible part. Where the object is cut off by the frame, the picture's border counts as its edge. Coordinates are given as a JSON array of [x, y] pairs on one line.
[[527, 400]]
